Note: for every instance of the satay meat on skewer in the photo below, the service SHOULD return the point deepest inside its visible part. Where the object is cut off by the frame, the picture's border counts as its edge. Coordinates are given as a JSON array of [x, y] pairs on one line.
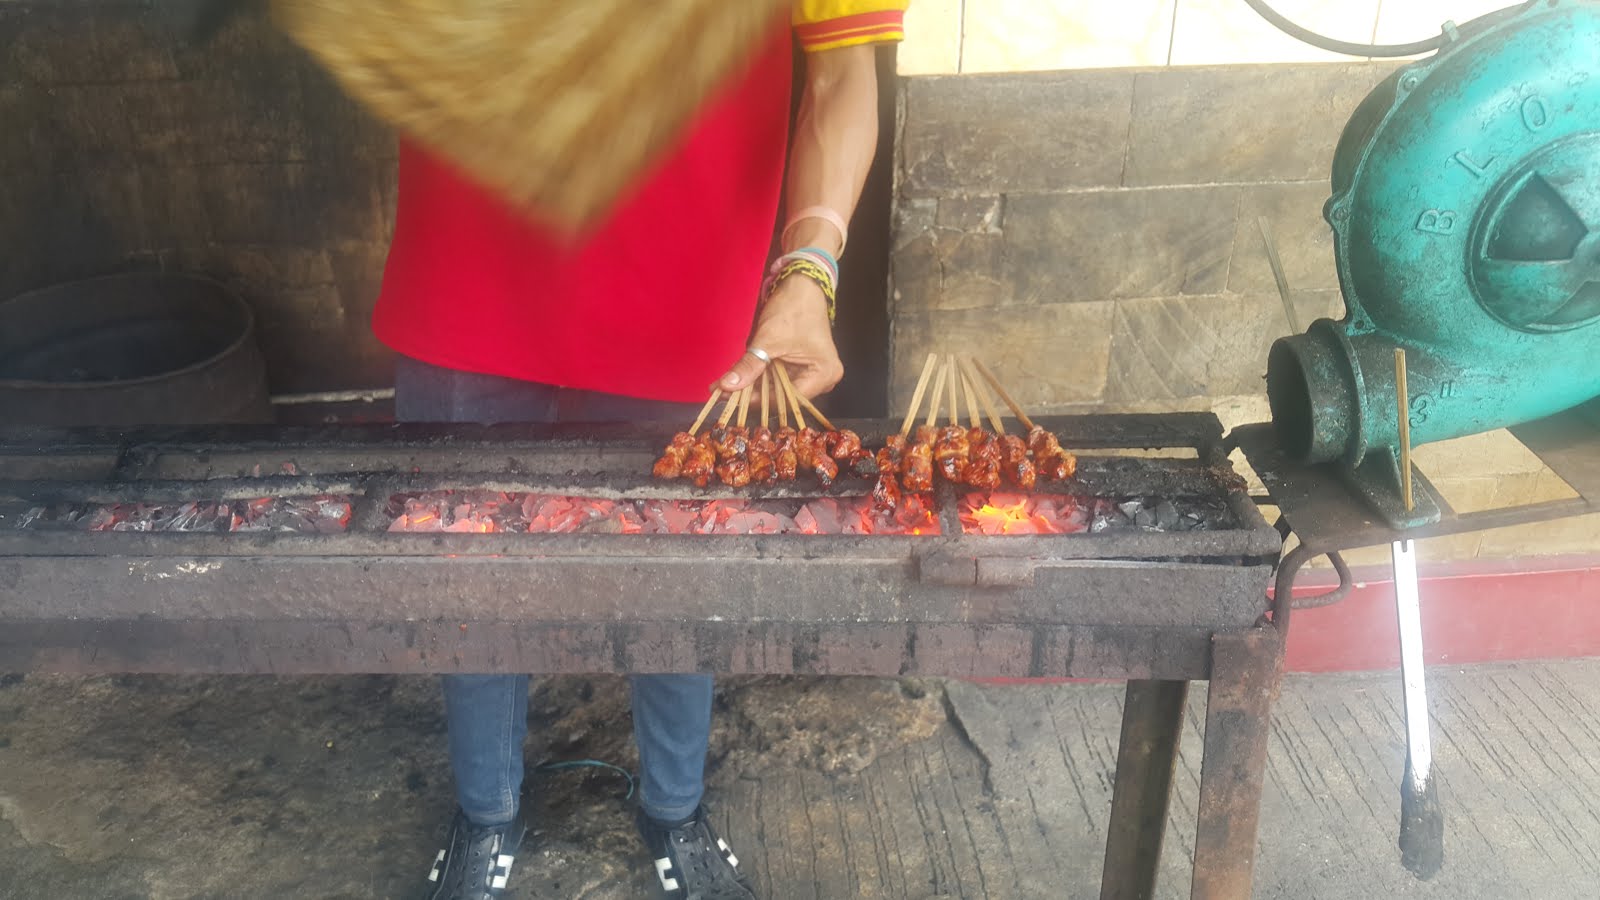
[[951, 450], [843, 443], [700, 462], [1052, 461], [886, 495], [916, 468], [734, 472], [863, 463], [982, 470], [763, 470], [785, 463], [761, 439], [670, 465], [1018, 469], [732, 442]]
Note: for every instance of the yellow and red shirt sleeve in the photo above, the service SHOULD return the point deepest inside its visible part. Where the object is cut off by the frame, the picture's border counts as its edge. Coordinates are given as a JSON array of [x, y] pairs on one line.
[[831, 24]]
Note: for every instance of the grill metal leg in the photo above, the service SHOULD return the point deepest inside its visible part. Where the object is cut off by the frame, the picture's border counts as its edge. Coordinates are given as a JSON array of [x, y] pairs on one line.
[[1152, 725], [1245, 672]]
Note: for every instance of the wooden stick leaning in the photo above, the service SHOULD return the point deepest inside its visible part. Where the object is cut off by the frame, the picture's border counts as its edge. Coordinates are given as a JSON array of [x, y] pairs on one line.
[[1016, 408], [983, 397], [916, 395], [938, 396], [728, 410], [788, 391], [744, 405], [955, 407], [783, 406], [766, 409], [705, 411], [815, 413], [966, 389]]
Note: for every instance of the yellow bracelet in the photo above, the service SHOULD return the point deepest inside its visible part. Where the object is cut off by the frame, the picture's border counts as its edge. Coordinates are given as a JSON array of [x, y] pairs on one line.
[[814, 272]]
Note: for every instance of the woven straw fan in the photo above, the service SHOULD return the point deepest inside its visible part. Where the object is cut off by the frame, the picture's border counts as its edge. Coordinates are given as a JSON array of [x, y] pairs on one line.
[[559, 105]]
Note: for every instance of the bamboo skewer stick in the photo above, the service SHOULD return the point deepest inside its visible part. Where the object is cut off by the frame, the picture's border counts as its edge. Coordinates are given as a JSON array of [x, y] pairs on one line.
[[783, 407], [972, 402], [983, 397], [955, 403], [815, 413], [1016, 408], [1405, 429], [938, 396], [744, 405], [766, 410], [728, 410], [705, 411], [916, 395], [789, 391]]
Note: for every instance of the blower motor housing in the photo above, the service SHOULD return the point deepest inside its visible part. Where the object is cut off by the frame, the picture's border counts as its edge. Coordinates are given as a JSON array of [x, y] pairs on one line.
[[1466, 220]]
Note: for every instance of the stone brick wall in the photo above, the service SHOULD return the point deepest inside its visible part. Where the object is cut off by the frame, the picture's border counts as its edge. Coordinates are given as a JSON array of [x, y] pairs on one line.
[[124, 147], [1094, 233]]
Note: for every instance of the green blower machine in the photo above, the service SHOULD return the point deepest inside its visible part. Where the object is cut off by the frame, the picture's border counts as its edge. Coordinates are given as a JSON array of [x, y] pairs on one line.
[[1466, 221]]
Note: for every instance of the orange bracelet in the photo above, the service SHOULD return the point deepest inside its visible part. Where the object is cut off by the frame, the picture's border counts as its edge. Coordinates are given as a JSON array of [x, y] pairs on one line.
[[824, 213]]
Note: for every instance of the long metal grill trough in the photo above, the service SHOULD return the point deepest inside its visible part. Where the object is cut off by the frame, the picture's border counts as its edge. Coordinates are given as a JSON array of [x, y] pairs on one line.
[[1127, 600], [1162, 580]]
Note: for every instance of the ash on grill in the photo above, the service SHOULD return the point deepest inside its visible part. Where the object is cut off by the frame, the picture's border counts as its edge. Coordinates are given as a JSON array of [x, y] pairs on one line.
[[487, 511], [312, 515]]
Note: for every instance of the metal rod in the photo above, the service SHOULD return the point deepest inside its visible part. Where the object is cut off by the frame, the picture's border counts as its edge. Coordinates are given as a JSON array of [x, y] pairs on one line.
[[1404, 420], [362, 396], [1278, 275]]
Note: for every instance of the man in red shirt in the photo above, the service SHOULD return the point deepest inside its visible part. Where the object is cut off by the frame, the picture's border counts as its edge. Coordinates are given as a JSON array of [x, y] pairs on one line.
[[498, 319]]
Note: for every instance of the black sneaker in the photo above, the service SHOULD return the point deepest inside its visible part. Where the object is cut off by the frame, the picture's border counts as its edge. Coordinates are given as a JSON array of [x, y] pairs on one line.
[[475, 863], [692, 862]]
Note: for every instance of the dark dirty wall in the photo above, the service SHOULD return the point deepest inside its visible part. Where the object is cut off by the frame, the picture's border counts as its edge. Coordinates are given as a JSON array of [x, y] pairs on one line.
[[1093, 233], [124, 147]]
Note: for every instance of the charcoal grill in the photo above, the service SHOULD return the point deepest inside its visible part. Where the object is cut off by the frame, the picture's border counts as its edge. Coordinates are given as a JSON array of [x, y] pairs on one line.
[[1158, 608]]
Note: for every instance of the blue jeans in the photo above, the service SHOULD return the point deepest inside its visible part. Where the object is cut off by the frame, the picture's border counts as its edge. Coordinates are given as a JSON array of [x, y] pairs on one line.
[[488, 714]]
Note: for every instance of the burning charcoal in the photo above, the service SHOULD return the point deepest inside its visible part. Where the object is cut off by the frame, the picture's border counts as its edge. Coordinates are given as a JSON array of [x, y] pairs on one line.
[[805, 521], [1145, 518]]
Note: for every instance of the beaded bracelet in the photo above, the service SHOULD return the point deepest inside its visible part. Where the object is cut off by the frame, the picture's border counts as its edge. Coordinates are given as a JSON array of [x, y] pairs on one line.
[[811, 270]]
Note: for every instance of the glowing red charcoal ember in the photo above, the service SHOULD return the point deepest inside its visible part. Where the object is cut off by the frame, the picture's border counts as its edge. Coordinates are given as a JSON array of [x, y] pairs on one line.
[[1005, 513]]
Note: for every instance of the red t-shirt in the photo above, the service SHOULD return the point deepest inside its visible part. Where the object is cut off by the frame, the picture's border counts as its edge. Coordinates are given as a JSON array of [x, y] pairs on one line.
[[659, 300], [656, 303]]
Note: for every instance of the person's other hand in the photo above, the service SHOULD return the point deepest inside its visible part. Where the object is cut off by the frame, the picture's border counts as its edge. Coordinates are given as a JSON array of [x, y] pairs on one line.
[[793, 328]]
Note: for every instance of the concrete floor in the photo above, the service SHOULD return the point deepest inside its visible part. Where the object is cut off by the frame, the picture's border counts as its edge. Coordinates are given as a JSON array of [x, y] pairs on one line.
[[165, 788]]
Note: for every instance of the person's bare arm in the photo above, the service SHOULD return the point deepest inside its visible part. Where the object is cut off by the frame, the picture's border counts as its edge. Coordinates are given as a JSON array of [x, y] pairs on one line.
[[835, 138]]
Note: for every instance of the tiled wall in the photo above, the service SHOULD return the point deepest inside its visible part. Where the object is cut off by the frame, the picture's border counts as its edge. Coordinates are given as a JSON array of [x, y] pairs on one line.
[[960, 36], [1094, 235]]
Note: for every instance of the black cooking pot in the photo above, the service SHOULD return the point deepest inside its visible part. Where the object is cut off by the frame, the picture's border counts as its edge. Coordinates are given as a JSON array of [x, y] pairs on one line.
[[138, 349]]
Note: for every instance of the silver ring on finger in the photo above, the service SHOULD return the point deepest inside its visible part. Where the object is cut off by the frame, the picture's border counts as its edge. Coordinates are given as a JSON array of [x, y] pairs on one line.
[[759, 353]]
